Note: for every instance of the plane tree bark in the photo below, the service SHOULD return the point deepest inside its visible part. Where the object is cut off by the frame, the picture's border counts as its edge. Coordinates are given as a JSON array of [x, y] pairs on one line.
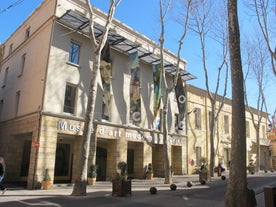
[[168, 88], [236, 192], [88, 136]]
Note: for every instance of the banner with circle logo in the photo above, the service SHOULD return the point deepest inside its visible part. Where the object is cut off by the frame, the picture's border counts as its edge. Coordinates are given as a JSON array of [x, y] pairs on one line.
[[181, 101], [135, 93]]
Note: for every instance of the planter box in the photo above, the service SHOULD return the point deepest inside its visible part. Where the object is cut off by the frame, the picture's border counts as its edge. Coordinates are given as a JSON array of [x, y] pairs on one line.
[[46, 184], [91, 181], [121, 187], [204, 176], [149, 176]]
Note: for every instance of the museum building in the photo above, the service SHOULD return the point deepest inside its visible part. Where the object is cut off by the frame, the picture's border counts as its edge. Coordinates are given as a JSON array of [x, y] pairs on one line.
[[45, 74]]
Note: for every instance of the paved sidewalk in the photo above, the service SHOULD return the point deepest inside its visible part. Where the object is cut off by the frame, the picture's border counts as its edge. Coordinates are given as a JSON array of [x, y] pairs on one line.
[[105, 188]]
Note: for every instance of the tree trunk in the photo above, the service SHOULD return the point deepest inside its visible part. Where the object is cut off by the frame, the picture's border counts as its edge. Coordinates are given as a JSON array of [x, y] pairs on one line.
[[167, 162], [258, 156], [212, 145], [236, 192], [88, 135], [80, 183]]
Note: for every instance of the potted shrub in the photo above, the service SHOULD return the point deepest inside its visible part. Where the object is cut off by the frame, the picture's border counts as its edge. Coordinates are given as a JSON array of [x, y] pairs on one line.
[[46, 183], [204, 172], [121, 186], [149, 172], [92, 175]]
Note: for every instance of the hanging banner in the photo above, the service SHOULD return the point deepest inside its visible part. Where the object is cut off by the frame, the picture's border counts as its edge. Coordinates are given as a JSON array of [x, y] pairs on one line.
[[157, 82], [105, 70], [181, 101], [135, 93]]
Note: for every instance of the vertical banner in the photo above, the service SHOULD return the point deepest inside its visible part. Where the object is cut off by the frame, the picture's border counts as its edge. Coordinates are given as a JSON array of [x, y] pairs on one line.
[[157, 82], [181, 99], [135, 93], [105, 70]]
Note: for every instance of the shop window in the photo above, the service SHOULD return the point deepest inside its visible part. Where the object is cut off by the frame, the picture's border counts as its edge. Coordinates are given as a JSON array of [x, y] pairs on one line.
[[25, 158], [69, 99], [74, 53]]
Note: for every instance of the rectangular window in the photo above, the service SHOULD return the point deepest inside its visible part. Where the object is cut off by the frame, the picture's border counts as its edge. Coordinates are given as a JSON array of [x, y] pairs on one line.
[[27, 33], [197, 113], [69, 99], [3, 51], [23, 60], [210, 120], [5, 77], [247, 129], [10, 49], [198, 155], [263, 132], [1, 108], [74, 53], [17, 100], [226, 124]]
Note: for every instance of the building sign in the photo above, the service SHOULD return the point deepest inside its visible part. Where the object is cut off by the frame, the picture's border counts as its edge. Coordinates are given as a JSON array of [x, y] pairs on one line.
[[36, 144], [109, 132], [65, 126], [133, 135]]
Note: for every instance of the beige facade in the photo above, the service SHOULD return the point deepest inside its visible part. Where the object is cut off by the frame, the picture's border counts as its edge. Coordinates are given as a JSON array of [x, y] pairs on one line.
[[37, 131], [198, 120]]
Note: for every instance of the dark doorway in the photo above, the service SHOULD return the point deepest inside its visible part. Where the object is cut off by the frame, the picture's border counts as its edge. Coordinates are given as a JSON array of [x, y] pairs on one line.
[[62, 163], [101, 163], [130, 161], [25, 158]]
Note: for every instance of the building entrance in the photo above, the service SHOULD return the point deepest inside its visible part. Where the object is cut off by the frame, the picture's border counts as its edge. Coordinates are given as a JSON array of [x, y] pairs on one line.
[[63, 162], [101, 163]]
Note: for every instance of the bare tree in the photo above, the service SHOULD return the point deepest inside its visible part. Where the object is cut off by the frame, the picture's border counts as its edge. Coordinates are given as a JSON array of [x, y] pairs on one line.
[[202, 21], [236, 192], [257, 59], [164, 8], [266, 13], [97, 46]]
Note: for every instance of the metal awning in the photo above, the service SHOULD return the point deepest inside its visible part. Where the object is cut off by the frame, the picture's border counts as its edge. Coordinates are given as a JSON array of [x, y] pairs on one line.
[[80, 23]]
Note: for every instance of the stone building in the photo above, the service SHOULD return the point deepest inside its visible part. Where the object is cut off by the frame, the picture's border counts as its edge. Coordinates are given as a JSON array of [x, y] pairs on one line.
[[45, 74], [198, 121]]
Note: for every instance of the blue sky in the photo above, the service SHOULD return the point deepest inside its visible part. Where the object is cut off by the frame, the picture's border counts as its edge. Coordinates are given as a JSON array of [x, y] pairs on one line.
[[143, 16]]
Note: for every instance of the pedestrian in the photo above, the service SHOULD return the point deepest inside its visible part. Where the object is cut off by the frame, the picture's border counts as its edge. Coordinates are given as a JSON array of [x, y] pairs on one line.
[[2, 174]]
